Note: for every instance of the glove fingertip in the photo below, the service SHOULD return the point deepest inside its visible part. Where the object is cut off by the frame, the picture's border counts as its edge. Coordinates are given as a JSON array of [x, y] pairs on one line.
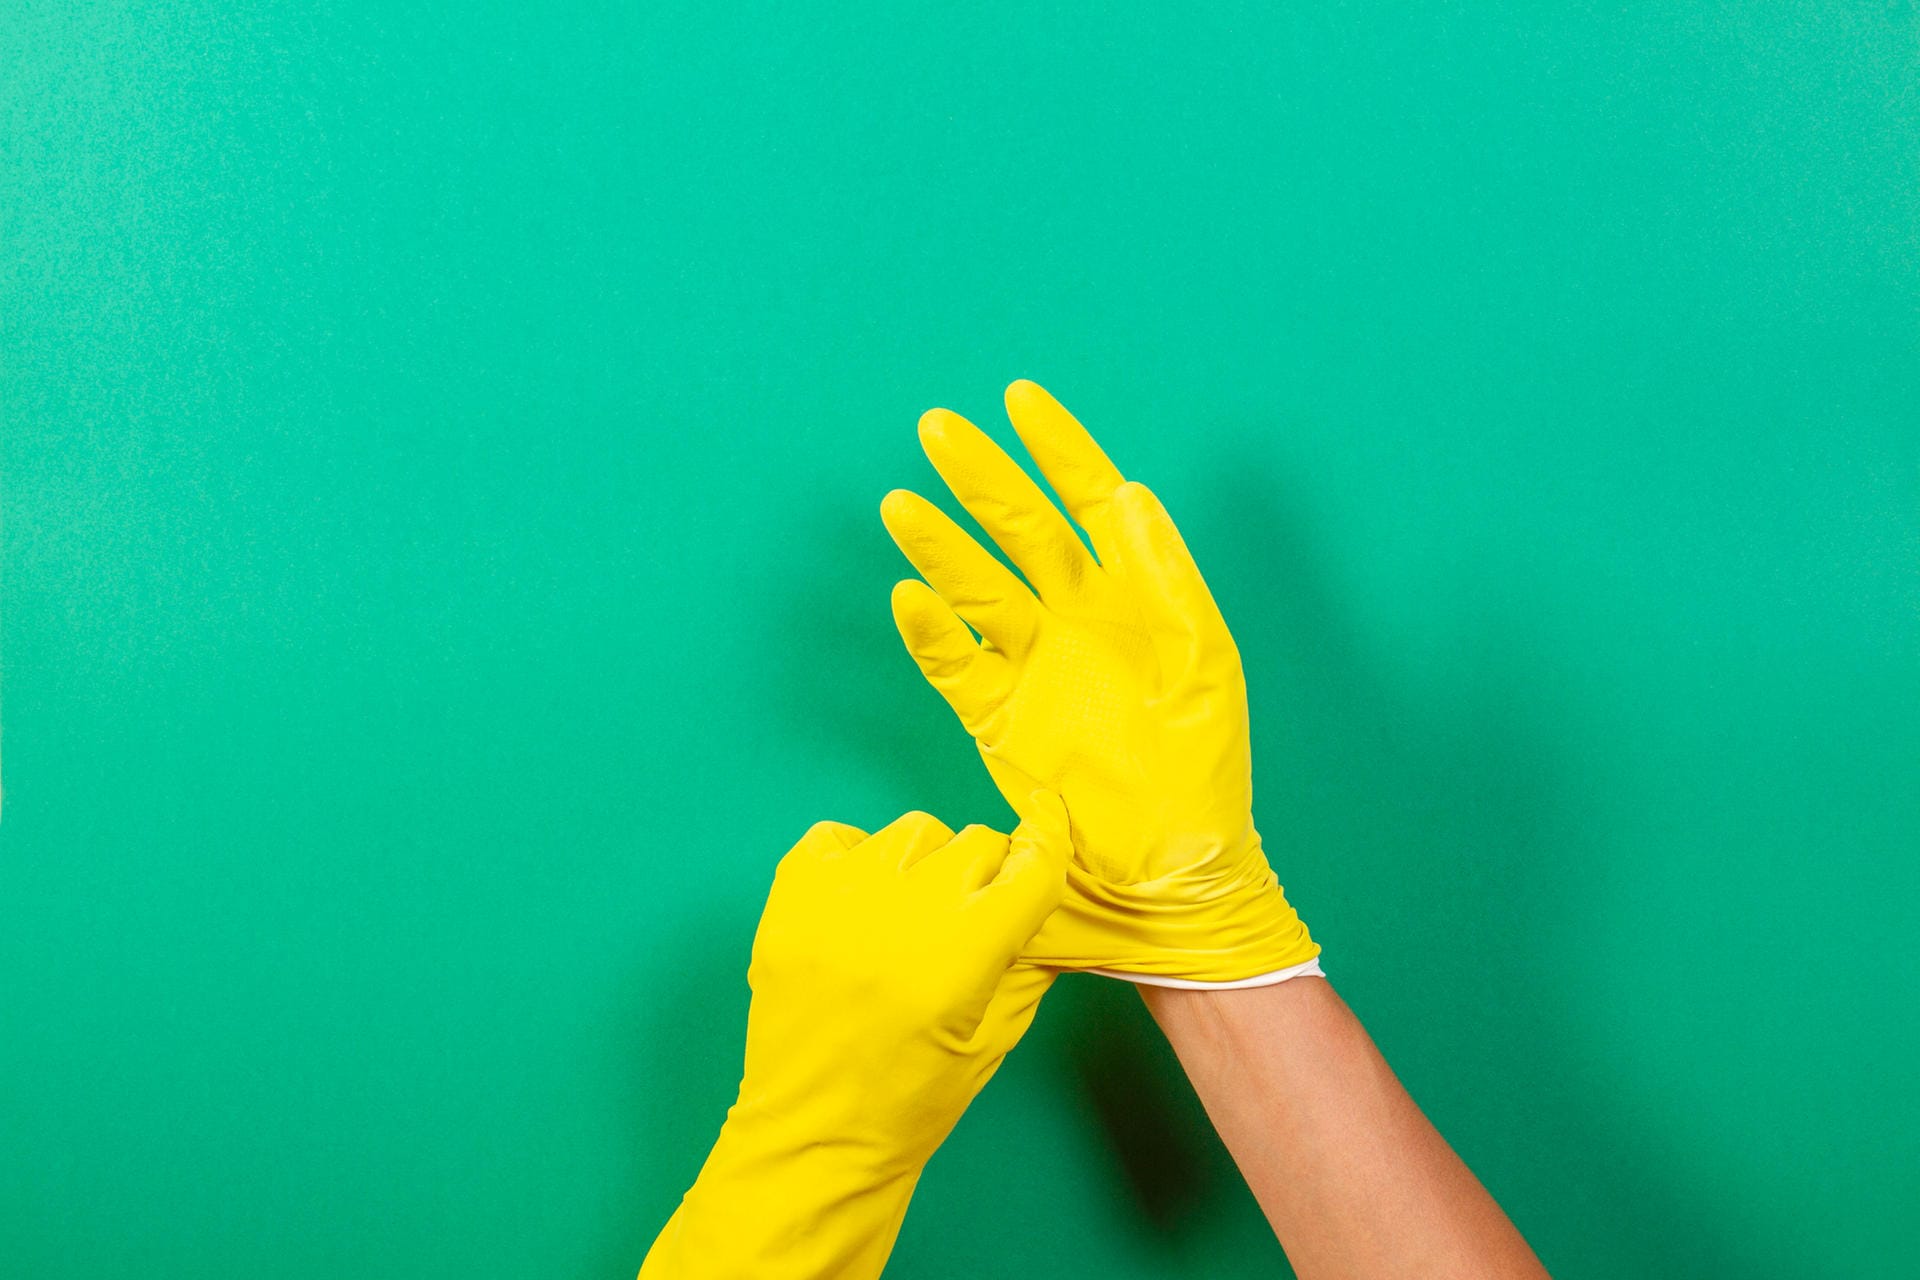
[[937, 427], [1034, 874], [842, 835], [1050, 809], [896, 503], [910, 595]]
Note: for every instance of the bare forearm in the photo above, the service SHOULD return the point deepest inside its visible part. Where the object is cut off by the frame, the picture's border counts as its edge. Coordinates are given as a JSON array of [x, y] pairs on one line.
[[1354, 1180]]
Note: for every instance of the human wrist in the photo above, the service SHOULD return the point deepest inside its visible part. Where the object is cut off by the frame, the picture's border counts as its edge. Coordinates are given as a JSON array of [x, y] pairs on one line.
[[1244, 1025]]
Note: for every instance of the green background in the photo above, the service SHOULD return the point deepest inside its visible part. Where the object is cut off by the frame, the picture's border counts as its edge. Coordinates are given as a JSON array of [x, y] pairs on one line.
[[441, 449]]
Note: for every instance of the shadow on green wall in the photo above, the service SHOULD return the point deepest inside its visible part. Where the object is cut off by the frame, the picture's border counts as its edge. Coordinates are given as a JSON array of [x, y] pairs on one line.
[[1168, 1160]]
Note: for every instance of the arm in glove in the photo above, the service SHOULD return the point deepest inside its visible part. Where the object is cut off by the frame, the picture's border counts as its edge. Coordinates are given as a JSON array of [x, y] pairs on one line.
[[885, 994], [1112, 682]]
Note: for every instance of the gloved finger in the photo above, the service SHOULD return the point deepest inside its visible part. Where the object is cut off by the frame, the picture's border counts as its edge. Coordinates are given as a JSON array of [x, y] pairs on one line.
[[1008, 505], [968, 861], [834, 837], [973, 681], [822, 840], [978, 587], [1010, 1009], [1033, 876], [907, 839], [1016, 785], [1189, 635], [1079, 471]]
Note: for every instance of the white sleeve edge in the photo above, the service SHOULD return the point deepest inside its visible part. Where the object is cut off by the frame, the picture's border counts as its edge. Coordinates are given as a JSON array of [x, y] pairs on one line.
[[1305, 969]]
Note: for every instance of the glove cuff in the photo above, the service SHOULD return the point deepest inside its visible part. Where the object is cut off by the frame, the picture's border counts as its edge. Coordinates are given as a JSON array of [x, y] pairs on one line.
[[1235, 927]]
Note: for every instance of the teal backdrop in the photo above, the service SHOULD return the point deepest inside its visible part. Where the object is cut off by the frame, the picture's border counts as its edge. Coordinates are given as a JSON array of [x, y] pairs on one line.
[[442, 575]]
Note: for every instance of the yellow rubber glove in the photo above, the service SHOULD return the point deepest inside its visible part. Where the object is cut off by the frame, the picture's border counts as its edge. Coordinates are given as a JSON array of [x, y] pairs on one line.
[[1113, 683], [885, 994]]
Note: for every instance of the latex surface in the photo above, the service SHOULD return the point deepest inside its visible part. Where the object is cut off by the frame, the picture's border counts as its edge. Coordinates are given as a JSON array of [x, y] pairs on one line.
[[886, 992], [1112, 681]]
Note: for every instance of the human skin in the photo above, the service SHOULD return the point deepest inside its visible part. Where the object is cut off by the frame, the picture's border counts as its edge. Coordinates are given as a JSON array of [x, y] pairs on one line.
[[1351, 1175]]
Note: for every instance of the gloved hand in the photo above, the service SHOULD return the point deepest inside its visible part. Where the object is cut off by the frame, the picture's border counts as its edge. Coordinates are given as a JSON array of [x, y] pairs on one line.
[[1114, 684], [885, 994]]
